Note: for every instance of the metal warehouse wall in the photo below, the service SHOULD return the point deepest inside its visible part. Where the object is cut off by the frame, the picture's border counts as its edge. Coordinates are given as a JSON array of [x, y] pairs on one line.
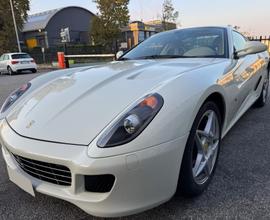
[[78, 21]]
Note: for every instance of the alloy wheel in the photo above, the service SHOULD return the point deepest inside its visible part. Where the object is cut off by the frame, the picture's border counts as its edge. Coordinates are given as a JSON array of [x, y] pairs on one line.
[[206, 147]]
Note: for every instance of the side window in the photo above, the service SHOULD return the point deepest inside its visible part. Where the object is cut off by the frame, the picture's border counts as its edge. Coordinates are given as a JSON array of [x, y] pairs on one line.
[[2, 58], [239, 41], [5, 57]]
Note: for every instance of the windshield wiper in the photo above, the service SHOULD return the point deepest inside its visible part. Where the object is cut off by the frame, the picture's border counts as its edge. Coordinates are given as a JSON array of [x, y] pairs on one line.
[[164, 57], [210, 56], [159, 57], [123, 59]]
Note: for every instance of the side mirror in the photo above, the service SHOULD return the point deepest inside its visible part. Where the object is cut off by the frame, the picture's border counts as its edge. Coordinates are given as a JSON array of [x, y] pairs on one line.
[[119, 54], [251, 47]]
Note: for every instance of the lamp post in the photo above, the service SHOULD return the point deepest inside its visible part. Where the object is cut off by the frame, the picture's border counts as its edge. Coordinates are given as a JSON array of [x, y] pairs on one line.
[[15, 26]]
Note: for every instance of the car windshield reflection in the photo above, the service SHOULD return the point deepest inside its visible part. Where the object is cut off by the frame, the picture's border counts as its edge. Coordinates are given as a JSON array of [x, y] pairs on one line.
[[188, 43]]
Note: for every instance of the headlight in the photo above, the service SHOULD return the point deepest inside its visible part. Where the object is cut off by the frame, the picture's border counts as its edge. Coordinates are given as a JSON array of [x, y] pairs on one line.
[[15, 96], [133, 122]]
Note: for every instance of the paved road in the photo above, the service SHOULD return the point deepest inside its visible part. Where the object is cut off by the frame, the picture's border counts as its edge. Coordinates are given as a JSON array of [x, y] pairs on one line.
[[240, 188]]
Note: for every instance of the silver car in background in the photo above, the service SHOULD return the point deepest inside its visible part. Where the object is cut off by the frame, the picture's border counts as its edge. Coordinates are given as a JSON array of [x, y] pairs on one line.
[[17, 62]]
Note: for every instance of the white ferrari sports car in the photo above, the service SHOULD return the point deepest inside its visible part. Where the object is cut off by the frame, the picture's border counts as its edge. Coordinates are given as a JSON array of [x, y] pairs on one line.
[[119, 138]]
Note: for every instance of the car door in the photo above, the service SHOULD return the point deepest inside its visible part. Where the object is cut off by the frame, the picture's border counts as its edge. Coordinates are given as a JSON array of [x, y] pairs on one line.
[[251, 65], [246, 75]]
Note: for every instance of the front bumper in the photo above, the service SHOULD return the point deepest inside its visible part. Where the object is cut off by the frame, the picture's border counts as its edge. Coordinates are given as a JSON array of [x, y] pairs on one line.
[[144, 179]]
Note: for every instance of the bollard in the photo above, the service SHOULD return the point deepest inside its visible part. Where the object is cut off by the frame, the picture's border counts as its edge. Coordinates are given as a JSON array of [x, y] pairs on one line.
[[61, 60]]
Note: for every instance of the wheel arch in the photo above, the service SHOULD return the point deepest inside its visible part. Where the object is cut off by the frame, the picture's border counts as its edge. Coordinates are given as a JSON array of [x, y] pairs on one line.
[[218, 99], [215, 94], [8, 66]]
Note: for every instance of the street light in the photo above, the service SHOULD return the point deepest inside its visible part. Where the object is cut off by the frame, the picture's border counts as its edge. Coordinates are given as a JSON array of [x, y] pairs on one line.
[[15, 26]]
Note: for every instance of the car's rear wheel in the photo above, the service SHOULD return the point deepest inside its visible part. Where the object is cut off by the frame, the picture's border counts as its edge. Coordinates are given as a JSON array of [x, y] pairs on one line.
[[10, 71], [34, 70], [264, 94], [202, 151]]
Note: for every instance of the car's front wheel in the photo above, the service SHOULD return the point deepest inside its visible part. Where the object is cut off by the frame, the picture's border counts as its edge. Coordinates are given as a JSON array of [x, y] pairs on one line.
[[202, 151]]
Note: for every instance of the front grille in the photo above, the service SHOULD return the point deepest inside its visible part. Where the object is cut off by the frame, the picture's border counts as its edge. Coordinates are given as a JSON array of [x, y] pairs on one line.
[[52, 173]]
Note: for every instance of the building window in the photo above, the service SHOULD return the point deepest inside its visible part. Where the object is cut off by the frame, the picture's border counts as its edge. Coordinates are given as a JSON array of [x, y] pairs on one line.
[[151, 33], [141, 36]]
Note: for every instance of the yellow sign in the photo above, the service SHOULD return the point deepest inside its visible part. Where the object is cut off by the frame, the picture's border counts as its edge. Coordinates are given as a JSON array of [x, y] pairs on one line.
[[31, 43]]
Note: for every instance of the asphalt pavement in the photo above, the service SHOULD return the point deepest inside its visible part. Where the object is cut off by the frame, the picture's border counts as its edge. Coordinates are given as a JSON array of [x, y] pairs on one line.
[[240, 188]]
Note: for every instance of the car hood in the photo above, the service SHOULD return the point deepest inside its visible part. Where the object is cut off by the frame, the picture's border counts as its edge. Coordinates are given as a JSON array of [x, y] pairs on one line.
[[75, 107]]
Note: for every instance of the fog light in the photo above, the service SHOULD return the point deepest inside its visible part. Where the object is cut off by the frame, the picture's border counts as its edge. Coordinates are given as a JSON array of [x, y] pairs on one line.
[[132, 124]]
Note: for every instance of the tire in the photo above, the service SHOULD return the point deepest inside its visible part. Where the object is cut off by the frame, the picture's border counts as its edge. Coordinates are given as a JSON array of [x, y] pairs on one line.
[[33, 70], [189, 184], [262, 100], [10, 71]]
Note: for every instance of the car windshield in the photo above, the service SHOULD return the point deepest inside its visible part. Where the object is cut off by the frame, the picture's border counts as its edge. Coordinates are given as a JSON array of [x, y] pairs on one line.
[[20, 56], [186, 43]]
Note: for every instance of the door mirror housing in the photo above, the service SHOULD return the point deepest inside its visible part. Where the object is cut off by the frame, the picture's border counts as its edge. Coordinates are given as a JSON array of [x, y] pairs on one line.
[[119, 54], [251, 47]]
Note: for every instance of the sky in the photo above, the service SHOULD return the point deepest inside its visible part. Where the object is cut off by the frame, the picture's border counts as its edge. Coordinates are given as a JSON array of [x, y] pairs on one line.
[[251, 15]]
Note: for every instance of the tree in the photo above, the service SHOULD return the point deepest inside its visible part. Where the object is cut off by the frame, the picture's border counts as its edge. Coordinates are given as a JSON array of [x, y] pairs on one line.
[[7, 31], [169, 14], [106, 26]]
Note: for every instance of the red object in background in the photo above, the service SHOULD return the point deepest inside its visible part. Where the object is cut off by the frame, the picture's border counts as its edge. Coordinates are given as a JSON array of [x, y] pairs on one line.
[[61, 60]]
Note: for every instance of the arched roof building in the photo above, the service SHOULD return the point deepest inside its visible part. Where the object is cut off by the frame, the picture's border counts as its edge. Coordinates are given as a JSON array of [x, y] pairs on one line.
[[43, 29]]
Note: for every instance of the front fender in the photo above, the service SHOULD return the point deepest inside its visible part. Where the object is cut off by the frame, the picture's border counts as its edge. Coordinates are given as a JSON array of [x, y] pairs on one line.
[[214, 89]]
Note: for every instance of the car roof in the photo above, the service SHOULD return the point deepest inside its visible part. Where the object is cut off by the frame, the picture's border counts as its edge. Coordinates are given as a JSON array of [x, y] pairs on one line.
[[14, 53], [10, 54]]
